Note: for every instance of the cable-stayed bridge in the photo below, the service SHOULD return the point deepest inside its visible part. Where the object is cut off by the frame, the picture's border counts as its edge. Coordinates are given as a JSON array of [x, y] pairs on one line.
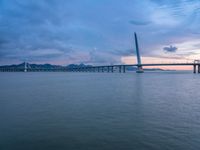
[[106, 68]]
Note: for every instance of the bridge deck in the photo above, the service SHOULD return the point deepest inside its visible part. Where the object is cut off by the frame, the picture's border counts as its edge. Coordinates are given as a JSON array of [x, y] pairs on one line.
[[108, 68], [160, 64]]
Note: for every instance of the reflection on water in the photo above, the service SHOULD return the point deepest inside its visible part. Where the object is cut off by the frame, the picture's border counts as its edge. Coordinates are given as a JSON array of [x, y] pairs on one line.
[[99, 111]]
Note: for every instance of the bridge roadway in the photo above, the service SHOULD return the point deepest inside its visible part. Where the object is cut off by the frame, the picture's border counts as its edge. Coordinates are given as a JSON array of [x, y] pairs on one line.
[[105, 68], [122, 68]]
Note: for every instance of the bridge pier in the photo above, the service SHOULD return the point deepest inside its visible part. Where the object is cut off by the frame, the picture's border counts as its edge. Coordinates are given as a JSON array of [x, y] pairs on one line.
[[140, 69], [124, 69], [102, 69], [108, 69], [194, 68], [198, 68], [112, 69], [120, 69]]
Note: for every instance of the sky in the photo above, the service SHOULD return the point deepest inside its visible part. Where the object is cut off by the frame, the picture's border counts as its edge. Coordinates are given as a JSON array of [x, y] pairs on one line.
[[98, 31]]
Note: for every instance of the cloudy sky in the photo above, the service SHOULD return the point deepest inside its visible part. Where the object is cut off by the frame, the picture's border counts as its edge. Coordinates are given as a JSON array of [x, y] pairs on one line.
[[98, 31]]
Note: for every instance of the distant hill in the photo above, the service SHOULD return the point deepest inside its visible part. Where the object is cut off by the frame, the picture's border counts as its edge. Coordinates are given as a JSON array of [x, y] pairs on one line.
[[42, 66], [50, 66]]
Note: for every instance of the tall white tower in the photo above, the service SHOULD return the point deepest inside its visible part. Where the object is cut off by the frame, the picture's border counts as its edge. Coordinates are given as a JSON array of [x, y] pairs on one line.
[[140, 69], [25, 67]]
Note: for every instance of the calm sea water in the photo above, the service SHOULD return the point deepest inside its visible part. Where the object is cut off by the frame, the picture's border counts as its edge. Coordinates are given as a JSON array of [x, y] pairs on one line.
[[100, 111]]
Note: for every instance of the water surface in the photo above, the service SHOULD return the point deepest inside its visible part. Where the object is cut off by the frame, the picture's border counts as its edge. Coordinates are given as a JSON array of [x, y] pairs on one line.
[[100, 111]]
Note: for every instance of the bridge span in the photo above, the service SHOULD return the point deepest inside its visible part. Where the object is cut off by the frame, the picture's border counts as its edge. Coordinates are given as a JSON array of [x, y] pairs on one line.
[[123, 68], [104, 68]]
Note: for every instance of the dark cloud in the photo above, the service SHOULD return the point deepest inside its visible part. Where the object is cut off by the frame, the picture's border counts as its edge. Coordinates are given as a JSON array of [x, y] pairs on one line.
[[127, 52], [170, 49], [96, 57], [139, 23], [27, 26]]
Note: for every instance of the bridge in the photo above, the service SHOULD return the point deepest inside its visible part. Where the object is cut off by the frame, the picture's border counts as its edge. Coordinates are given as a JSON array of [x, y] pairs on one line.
[[139, 65], [106, 68]]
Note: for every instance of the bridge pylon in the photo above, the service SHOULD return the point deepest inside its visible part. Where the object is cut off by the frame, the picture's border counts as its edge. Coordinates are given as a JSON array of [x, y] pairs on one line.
[[139, 64]]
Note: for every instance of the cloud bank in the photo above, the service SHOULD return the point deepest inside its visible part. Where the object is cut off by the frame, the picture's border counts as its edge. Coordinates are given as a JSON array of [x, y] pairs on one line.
[[63, 32]]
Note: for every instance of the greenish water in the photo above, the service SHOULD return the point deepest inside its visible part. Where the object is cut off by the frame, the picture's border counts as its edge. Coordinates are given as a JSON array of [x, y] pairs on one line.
[[100, 111]]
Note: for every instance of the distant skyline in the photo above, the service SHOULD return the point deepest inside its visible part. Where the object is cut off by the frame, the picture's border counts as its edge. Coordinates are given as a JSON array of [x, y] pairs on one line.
[[98, 32]]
